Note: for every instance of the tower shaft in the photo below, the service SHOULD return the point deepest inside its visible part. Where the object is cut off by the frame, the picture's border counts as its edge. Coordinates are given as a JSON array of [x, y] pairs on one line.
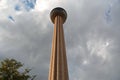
[[58, 63]]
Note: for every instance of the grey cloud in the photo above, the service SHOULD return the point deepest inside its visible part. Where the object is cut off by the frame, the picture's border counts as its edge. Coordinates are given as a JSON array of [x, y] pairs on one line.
[[29, 40], [84, 24]]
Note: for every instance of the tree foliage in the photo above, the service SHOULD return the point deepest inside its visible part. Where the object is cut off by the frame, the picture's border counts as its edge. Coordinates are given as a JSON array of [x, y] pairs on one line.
[[10, 70]]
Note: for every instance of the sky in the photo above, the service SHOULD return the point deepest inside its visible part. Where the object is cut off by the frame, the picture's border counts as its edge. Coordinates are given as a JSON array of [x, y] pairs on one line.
[[91, 34]]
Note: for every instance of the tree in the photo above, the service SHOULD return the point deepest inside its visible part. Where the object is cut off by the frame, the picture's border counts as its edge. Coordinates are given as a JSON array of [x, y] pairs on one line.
[[10, 70]]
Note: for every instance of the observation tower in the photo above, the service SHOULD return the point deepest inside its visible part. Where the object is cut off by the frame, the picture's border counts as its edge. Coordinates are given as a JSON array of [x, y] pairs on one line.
[[58, 63]]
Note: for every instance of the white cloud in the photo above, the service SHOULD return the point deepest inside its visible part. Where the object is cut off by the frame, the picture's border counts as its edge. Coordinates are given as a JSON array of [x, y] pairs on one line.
[[42, 5], [99, 48], [3, 4]]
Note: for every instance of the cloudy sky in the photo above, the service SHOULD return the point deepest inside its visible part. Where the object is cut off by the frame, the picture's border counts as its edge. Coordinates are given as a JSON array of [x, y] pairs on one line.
[[91, 34]]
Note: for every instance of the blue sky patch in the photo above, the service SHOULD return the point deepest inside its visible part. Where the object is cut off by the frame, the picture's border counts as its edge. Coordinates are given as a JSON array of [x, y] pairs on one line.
[[108, 14], [28, 4], [11, 18], [17, 7]]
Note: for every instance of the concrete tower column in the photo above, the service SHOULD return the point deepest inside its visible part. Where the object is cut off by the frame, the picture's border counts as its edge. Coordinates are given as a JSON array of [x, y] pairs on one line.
[[58, 63]]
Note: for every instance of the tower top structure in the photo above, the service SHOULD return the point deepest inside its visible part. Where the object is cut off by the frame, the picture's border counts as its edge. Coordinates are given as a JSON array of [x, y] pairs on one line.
[[58, 11]]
